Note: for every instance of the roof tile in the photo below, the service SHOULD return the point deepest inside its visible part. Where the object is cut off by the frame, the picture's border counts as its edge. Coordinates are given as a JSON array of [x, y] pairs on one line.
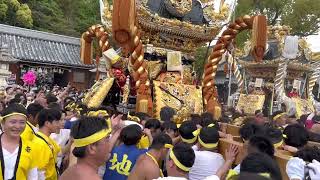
[[36, 46]]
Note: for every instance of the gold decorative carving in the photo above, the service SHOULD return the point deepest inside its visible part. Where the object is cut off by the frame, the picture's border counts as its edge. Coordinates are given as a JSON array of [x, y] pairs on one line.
[[181, 35], [303, 106], [256, 103], [183, 98], [181, 6], [98, 92], [154, 68]]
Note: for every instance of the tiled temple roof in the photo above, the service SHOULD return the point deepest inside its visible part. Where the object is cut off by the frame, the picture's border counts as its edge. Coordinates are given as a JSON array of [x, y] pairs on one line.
[[41, 47]]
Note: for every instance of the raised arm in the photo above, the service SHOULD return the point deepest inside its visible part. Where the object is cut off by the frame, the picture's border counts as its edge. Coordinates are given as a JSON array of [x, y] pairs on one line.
[[231, 154]]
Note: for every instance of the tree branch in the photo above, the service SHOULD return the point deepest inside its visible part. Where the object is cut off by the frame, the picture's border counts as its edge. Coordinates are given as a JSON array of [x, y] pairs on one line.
[[314, 32]]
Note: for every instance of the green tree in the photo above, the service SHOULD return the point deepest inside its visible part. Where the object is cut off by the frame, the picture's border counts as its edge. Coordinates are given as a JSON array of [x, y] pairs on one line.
[[200, 60], [66, 17], [88, 15], [48, 16], [14, 13], [303, 16], [24, 16], [3, 11]]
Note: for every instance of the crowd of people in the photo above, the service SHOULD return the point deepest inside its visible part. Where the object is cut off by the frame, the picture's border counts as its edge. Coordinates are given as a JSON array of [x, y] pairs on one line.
[[49, 134]]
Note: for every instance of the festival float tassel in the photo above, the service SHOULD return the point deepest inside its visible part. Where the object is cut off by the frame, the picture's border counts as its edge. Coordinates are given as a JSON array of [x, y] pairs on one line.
[[126, 91], [143, 106]]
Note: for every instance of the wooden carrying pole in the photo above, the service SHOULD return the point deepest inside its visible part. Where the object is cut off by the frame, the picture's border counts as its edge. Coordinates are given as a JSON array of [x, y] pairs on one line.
[[97, 66]]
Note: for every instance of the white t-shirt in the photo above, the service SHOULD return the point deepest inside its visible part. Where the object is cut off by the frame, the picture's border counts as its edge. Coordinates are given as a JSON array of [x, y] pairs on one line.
[[10, 162], [61, 139], [214, 177], [206, 164], [171, 178], [296, 169]]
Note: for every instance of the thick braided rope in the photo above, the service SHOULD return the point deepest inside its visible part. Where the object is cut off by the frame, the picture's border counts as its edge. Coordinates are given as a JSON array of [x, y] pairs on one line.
[[100, 33], [218, 50], [125, 32], [137, 62]]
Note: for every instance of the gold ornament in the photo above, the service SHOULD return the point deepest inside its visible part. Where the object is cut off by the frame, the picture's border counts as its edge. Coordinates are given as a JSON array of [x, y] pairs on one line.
[[98, 92], [221, 15], [185, 99], [187, 75], [126, 91], [154, 68], [182, 115], [238, 121], [182, 6], [133, 118]]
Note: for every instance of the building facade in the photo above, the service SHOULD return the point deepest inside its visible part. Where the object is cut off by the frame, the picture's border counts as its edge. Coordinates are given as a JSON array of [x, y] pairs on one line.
[[55, 58]]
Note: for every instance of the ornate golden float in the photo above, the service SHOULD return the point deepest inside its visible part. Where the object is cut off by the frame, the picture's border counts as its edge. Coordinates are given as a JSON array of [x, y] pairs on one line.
[[171, 28], [280, 73]]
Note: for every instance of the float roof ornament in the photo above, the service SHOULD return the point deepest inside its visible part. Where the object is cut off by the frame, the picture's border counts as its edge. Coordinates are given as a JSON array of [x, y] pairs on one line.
[[277, 37], [312, 48], [181, 25]]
